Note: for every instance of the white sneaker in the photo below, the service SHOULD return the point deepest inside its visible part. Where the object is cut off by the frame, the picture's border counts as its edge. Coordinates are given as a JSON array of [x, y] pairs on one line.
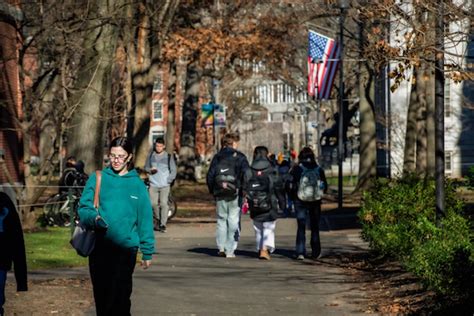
[[230, 255], [300, 257]]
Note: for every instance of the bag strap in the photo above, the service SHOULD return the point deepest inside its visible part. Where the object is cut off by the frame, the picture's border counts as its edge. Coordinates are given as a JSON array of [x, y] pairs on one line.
[[98, 177]]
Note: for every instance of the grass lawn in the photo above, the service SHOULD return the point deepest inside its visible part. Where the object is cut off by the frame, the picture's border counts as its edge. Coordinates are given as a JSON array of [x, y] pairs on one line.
[[51, 249]]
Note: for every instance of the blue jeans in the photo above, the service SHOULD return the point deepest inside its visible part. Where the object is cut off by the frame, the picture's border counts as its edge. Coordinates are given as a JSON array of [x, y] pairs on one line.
[[227, 230], [308, 211], [3, 279]]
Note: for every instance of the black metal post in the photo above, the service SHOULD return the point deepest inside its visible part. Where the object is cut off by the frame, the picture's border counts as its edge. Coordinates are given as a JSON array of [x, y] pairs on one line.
[[439, 113], [340, 138]]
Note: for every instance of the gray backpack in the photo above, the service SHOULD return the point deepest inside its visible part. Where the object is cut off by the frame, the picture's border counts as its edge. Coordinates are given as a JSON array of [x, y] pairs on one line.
[[309, 188]]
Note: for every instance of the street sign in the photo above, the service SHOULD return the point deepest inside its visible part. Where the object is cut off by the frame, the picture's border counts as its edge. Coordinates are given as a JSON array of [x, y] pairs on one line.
[[213, 115], [207, 114], [219, 115]]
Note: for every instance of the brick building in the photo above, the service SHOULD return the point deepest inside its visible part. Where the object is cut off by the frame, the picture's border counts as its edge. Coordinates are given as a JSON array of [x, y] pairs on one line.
[[11, 154]]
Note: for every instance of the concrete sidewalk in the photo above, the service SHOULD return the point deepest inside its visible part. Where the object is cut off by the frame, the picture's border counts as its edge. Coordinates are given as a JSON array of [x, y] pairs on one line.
[[188, 278]]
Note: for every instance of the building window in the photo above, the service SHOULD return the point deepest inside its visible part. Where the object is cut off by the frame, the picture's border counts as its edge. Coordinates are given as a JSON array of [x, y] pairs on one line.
[[157, 134], [158, 84], [157, 110], [277, 117], [448, 161], [447, 98]]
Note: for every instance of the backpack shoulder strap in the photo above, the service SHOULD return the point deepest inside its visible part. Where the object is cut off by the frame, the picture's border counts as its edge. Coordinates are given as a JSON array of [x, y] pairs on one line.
[[169, 162], [98, 181]]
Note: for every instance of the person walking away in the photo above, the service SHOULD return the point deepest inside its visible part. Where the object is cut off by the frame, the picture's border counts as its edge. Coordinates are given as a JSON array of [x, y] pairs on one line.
[[283, 171], [308, 183], [224, 181], [123, 225], [12, 248], [162, 169], [260, 186]]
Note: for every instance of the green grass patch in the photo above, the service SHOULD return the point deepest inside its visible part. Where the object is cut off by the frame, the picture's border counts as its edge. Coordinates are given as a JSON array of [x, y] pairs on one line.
[[346, 180], [50, 249]]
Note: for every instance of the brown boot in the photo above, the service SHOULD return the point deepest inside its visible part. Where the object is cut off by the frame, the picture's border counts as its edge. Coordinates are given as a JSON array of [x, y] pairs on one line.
[[264, 254]]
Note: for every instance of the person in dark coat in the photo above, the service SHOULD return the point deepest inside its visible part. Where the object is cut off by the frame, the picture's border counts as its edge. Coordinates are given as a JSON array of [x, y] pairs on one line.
[[306, 210], [261, 182], [224, 181], [12, 247]]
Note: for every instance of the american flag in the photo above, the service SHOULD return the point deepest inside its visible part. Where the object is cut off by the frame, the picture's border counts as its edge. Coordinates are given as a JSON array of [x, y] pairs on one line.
[[323, 61]]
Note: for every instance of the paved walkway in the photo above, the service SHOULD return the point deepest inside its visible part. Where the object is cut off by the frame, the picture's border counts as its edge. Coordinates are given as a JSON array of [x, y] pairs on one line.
[[187, 278]]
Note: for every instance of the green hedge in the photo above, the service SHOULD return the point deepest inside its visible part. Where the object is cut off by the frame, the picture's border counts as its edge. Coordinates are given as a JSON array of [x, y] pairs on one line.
[[399, 220]]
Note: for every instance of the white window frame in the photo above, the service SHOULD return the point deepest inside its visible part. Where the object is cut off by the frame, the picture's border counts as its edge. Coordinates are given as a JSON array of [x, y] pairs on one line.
[[157, 134], [448, 161], [156, 103], [448, 110], [158, 84]]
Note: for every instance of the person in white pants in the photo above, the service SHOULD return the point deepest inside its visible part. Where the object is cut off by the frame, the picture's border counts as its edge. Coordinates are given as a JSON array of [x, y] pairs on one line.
[[260, 183]]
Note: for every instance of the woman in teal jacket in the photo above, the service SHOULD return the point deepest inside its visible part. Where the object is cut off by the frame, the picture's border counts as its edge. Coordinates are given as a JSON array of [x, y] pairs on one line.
[[123, 225]]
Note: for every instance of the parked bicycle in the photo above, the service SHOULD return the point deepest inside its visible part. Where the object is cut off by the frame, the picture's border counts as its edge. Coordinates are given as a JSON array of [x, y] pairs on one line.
[[57, 209]]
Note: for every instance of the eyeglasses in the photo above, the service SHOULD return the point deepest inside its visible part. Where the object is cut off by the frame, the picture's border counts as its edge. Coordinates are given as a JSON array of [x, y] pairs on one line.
[[118, 157]]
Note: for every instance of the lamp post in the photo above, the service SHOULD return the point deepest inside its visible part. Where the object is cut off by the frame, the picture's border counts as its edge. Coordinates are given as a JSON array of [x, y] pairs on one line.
[[343, 5], [439, 113]]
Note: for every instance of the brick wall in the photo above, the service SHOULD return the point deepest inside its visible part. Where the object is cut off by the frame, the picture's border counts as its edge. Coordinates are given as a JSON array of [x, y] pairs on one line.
[[10, 138]]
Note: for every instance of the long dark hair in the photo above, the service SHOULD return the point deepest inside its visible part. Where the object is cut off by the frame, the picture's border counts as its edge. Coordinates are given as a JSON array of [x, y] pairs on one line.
[[260, 152], [126, 144], [306, 155]]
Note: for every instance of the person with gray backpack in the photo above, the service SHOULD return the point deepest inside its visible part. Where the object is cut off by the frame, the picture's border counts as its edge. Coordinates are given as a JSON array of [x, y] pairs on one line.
[[306, 186]]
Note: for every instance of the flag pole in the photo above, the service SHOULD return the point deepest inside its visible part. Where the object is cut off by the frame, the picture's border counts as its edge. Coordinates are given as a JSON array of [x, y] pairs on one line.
[[340, 139]]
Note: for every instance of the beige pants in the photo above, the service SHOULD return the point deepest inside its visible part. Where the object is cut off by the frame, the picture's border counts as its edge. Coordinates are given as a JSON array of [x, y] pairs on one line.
[[159, 201]]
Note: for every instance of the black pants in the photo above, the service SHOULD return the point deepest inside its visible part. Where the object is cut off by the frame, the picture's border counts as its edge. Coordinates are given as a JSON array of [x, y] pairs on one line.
[[111, 270], [281, 197]]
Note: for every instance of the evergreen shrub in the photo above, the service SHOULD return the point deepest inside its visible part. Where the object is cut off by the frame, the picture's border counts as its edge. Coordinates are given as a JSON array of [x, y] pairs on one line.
[[399, 221]]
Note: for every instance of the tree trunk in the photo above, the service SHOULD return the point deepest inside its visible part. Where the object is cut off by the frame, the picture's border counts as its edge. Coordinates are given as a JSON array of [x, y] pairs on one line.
[[171, 122], [187, 155], [368, 138], [86, 138], [144, 66], [409, 157], [368, 144], [421, 140]]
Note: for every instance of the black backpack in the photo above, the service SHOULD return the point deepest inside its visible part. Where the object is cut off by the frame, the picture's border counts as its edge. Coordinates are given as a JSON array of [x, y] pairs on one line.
[[226, 182], [259, 190], [172, 156]]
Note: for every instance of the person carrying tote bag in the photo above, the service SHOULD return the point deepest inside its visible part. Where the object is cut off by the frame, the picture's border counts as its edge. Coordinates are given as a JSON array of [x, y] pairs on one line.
[[123, 226], [83, 239]]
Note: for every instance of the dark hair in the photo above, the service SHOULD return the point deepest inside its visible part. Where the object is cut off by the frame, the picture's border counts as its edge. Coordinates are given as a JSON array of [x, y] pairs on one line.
[[160, 140], [260, 152], [230, 138], [126, 144], [123, 142], [70, 161], [306, 154]]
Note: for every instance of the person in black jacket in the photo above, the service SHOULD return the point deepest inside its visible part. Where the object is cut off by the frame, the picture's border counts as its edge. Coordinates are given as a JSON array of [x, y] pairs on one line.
[[261, 181], [224, 181], [12, 247], [307, 209]]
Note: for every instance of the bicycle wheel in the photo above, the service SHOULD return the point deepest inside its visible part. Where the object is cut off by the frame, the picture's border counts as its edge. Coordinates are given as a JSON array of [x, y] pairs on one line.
[[58, 211], [50, 209], [173, 207]]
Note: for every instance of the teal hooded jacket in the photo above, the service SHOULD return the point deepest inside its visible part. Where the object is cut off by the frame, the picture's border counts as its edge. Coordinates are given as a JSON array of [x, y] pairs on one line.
[[125, 206]]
